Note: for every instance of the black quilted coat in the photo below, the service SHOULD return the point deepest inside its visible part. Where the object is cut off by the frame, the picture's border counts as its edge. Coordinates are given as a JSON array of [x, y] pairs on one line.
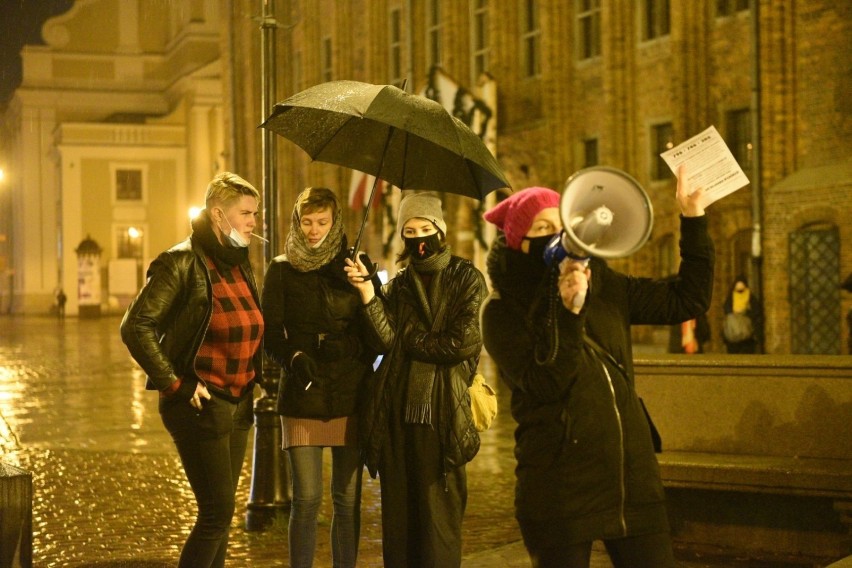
[[586, 465], [455, 350]]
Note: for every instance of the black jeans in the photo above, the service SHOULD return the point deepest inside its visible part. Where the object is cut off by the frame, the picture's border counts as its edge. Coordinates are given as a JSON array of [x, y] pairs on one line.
[[647, 551], [212, 447]]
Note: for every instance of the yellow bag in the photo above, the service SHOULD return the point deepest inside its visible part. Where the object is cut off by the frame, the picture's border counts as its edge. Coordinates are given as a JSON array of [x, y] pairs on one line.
[[483, 403]]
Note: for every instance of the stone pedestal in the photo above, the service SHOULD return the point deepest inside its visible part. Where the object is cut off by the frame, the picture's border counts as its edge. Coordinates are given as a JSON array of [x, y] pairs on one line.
[[16, 517]]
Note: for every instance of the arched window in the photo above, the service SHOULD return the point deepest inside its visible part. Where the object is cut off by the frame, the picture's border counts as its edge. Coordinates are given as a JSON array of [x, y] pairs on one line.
[[815, 319]]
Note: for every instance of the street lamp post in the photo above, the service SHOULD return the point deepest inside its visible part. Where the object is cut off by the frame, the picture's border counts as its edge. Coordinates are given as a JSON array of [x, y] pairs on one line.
[[270, 483]]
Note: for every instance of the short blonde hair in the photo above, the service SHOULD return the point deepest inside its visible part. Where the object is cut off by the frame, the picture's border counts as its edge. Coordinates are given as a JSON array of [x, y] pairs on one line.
[[226, 188]]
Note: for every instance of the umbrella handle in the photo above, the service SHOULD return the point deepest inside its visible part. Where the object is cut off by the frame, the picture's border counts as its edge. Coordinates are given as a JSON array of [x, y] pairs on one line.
[[372, 269]]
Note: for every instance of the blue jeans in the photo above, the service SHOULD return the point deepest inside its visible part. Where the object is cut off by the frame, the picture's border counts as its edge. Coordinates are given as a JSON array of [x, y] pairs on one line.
[[306, 472]]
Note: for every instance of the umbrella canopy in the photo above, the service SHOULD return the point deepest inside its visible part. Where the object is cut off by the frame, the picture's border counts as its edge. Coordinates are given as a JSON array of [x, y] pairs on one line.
[[409, 141]]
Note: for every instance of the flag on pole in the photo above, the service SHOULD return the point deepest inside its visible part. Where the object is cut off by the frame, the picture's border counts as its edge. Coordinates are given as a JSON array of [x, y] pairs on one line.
[[359, 191]]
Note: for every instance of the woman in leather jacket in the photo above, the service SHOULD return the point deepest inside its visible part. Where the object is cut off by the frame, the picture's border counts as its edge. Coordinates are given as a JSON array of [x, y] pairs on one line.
[[313, 333], [416, 426], [196, 328], [586, 465]]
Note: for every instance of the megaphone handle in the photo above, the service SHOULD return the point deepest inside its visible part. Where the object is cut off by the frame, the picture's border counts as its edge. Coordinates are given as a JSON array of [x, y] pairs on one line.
[[580, 297]]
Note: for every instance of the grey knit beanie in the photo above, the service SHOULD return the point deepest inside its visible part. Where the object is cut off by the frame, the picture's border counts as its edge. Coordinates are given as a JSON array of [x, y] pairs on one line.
[[423, 205]]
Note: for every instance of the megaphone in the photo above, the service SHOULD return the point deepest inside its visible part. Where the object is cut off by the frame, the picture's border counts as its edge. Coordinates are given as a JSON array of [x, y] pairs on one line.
[[605, 213]]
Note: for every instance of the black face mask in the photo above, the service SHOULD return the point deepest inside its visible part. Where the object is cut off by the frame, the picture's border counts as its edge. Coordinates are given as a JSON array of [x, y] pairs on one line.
[[538, 246], [422, 248]]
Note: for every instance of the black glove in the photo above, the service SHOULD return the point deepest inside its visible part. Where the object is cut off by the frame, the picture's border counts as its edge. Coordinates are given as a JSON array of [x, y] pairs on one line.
[[343, 347], [305, 367]]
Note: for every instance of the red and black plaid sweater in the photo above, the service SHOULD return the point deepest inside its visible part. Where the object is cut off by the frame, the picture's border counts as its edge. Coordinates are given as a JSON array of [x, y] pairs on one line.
[[236, 328]]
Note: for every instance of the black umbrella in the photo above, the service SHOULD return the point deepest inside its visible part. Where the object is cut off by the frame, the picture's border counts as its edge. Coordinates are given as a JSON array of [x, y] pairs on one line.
[[409, 141]]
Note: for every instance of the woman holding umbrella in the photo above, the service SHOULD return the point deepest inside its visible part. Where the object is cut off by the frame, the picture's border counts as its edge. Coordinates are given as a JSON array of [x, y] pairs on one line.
[[312, 332], [416, 428]]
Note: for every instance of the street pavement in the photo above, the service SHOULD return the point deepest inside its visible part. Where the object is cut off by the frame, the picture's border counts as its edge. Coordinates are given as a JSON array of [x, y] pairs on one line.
[[108, 487]]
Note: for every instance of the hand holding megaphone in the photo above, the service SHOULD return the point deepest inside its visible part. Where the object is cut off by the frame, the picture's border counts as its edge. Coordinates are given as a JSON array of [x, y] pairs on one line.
[[573, 283]]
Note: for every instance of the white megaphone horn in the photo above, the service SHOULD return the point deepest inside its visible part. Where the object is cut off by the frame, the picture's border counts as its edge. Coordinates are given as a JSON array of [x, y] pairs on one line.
[[605, 213]]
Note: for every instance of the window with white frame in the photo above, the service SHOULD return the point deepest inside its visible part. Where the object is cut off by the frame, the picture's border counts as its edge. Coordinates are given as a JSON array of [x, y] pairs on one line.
[[661, 140], [590, 152], [395, 47], [129, 241], [479, 38], [129, 183], [656, 19], [588, 28], [530, 39], [730, 7], [738, 135], [434, 48], [327, 60]]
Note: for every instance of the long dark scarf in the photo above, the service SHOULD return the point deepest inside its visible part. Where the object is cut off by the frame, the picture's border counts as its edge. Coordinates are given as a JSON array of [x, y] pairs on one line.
[[302, 255], [224, 257], [421, 375]]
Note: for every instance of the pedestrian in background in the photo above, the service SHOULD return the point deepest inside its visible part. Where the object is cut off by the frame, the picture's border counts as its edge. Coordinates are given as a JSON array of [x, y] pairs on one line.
[[742, 329], [416, 427], [196, 329], [61, 299], [586, 465], [690, 336], [312, 331]]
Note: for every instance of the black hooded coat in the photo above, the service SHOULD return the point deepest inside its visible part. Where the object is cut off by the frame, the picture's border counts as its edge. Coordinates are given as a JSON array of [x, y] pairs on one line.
[[586, 465]]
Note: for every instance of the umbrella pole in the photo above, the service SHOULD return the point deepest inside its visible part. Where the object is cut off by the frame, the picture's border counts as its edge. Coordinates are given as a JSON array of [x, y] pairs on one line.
[[372, 269], [357, 244], [373, 193]]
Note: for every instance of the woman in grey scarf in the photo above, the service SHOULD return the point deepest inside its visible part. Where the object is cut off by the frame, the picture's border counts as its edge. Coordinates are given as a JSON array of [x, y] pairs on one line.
[[416, 428], [312, 332]]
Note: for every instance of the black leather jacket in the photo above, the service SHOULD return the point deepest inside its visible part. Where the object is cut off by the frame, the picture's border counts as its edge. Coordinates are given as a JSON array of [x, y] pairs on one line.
[[455, 351], [166, 323]]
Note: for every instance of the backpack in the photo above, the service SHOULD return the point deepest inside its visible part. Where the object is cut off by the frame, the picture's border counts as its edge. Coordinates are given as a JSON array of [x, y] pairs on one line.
[[737, 327]]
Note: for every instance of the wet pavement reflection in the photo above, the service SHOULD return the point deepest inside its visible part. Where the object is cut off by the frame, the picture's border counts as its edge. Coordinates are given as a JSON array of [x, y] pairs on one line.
[[108, 489]]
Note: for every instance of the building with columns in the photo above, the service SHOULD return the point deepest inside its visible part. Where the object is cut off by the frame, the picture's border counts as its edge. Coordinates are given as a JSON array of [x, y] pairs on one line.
[[112, 136]]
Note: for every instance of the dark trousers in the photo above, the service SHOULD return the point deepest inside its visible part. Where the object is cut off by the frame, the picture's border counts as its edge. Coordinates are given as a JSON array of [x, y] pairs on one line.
[[422, 509], [646, 551], [212, 447]]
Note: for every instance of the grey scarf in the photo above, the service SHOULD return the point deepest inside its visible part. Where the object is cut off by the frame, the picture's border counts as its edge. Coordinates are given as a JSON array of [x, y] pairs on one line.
[[421, 375], [302, 255]]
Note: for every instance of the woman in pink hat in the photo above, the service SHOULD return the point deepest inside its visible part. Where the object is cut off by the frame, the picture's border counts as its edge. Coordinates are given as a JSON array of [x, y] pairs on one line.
[[586, 466]]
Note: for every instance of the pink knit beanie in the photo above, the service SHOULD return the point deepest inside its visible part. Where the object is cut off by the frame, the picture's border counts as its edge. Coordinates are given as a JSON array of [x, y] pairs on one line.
[[514, 215]]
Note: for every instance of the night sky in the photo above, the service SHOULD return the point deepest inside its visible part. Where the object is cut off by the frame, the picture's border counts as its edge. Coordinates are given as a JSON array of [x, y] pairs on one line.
[[20, 24]]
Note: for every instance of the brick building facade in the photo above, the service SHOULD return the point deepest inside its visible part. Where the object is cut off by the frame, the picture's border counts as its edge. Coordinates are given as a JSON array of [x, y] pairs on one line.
[[612, 82]]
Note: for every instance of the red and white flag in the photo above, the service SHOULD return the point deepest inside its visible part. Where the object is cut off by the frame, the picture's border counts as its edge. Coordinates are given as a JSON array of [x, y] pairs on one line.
[[359, 191]]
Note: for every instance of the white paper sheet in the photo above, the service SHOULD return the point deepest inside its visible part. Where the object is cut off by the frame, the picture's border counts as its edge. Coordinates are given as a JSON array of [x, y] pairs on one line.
[[709, 165]]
